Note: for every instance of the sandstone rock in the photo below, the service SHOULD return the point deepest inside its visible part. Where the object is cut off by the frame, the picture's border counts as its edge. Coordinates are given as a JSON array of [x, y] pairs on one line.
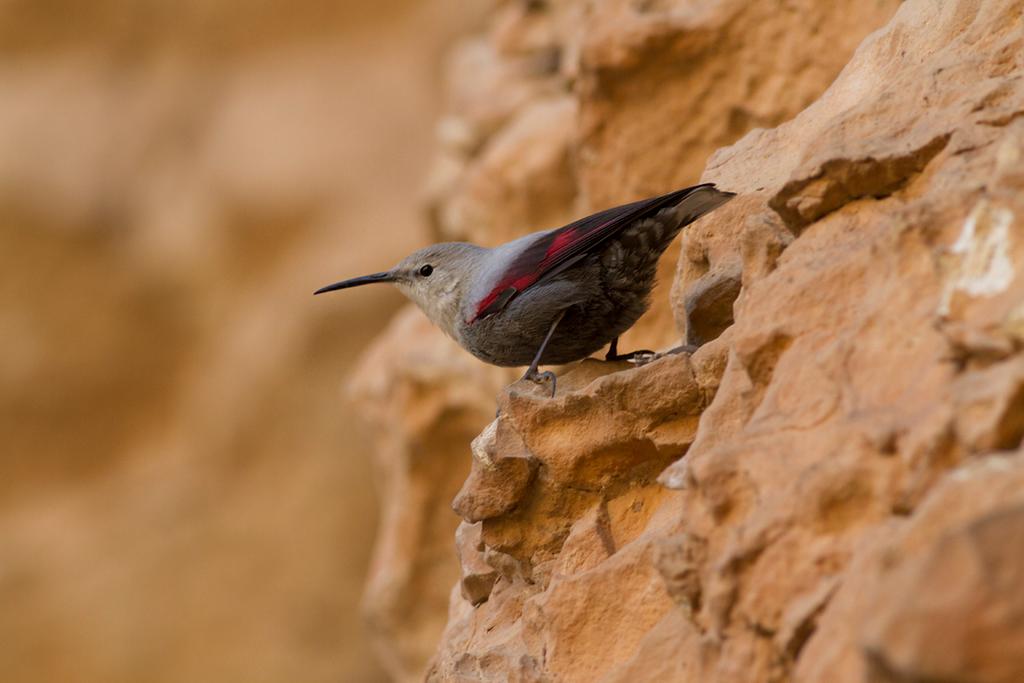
[[575, 616], [670, 651], [990, 407], [588, 544], [842, 498], [427, 399], [956, 612], [478, 577], [679, 559], [889, 603], [498, 476], [708, 304], [595, 437], [520, 182], [591, 484], [485, 89]]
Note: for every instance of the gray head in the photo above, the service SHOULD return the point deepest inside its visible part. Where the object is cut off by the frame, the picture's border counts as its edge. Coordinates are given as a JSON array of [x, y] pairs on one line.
[[435, 279]]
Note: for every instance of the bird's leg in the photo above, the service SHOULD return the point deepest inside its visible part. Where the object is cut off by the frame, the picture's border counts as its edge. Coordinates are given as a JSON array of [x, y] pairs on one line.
[[532, 373], [613, 352]]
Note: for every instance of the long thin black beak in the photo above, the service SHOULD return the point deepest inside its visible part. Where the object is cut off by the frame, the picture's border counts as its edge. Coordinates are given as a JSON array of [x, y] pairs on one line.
[[356, 281]]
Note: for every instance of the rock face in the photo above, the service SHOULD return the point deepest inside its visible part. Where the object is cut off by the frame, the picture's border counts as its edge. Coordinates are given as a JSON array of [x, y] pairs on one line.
[[830, 488], [427, 403]]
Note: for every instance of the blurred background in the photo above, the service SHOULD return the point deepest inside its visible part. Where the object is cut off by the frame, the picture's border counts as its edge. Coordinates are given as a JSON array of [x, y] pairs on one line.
[[184, 494]]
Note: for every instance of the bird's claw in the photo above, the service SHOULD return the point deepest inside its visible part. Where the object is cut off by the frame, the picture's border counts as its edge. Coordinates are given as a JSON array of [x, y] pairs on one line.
[[540, 377], [631, 356], [639, 358]]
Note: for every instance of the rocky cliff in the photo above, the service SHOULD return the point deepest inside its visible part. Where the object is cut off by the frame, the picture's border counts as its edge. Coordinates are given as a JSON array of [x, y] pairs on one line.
[[832, 487]]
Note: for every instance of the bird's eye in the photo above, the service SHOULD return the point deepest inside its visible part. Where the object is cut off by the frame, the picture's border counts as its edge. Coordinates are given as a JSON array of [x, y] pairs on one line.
[[426, 270]]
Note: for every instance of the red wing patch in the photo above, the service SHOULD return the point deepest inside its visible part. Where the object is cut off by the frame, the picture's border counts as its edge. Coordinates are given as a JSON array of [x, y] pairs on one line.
[[557, 248], [563, 238]]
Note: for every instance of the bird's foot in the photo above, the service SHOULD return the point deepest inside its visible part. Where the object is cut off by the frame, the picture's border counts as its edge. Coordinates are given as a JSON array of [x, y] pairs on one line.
[[631, 356], [638, 359], [540, 377], [645, 357]]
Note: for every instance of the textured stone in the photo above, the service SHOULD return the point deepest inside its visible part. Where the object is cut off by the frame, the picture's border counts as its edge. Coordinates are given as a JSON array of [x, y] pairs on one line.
[[618, 424], [521, 180], [498, 476], [844, 493], [426, 399], [929, 597], [478, 577], [708, 304], [955, 613]]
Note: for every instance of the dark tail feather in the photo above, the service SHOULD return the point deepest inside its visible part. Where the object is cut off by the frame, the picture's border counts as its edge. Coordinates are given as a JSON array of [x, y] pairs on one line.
[[703, 199]]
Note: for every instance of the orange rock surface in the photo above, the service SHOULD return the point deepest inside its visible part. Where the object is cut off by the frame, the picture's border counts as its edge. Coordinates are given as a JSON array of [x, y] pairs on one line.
[[830, 488]]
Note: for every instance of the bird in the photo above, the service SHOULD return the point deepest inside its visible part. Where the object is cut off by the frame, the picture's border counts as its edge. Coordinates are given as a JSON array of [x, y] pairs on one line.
[[550, 297]]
